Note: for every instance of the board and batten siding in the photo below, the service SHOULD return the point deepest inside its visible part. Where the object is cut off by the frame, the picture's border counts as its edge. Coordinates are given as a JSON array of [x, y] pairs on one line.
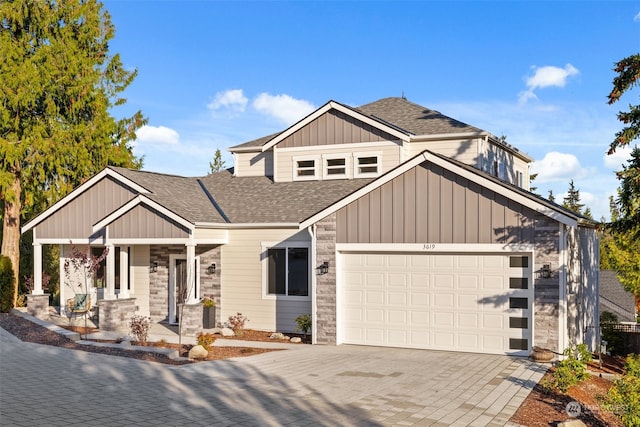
[[76, 218], [241, 278], [334, 127], [142, 222], [431, 204], [253, 164]]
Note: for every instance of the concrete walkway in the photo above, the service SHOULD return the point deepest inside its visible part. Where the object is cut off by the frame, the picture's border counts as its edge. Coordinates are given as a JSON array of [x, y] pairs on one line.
[[313, 385]]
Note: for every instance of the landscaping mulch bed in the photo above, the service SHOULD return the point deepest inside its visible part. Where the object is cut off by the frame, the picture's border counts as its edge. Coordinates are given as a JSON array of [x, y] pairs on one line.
[[31, 332]]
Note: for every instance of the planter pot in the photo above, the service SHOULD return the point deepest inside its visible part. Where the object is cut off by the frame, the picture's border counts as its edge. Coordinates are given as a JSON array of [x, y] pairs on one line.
[[540, 354], [208, 317]]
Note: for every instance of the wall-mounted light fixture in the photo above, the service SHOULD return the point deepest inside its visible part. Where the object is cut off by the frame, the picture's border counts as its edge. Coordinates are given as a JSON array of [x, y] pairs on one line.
[[545, 271], [323, 268], [211, 269], [154, 267]]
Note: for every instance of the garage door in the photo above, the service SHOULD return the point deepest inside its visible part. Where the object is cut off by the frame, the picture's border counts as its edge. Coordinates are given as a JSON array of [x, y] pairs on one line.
[[462, 302]]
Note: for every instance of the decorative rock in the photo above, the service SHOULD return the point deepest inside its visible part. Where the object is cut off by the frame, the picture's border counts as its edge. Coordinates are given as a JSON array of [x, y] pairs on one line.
[[572, 423], [296, 340], [216, 331], [198, 352], [227, 332], [277, 336]]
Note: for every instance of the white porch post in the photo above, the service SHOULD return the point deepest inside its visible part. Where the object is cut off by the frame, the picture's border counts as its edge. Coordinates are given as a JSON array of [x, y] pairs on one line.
[[110, 292], [191, 269], [37, 269], [124, 272]]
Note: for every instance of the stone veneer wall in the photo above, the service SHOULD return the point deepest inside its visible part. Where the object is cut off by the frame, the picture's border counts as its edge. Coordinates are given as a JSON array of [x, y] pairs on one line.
[[191, 319], [115, 314], [546, 307], [159, 281], [38, 305], [326, 283]]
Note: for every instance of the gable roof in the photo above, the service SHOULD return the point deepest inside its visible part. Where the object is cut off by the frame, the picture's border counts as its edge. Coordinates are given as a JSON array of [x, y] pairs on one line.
[[614, 298]]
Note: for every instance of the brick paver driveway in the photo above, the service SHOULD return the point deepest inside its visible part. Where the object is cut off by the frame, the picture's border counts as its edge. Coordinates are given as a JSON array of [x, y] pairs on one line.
[[313, 385]]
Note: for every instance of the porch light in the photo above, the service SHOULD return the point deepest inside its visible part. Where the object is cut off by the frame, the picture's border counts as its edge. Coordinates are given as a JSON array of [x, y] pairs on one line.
[[545, 271], [323, 268], [154, 267], [212, 269]]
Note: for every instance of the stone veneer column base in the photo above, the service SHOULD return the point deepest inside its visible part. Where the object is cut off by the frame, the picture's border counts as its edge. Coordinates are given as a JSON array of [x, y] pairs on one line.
[[38, 305], [191, 319], [115, 314]]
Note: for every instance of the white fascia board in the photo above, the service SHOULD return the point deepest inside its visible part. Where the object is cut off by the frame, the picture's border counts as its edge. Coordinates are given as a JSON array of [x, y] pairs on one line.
[[257, 149], [141, 199], [150, 241], [435, 247], [471, 176], [247, 225], [81, 189], [332, 105], [441, 136]]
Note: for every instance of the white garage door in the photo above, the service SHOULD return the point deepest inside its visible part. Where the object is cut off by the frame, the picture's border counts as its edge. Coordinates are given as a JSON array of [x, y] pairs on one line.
[[463, 302]]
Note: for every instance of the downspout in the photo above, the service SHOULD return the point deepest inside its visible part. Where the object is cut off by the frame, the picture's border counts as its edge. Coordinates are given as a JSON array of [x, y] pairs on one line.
[[314, 329], [562, 297]]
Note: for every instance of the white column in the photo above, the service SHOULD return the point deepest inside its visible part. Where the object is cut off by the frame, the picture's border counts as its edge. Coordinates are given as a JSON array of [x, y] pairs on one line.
[[37, 269], [124, 272], [191, 277], [110, 292]]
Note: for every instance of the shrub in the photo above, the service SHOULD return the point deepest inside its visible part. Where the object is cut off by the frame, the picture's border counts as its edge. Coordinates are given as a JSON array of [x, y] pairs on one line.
[[237, 323], [6, 284], [206, 340], [303, 323], [623, 398], [573, 369], [609, 334], [140, 326], [208, 302]]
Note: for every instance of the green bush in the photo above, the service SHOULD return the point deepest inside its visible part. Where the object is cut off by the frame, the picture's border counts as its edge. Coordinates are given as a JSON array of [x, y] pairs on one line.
[[612, 337], [6, 284], [303, 323], [206, 340], [623, 398], [573, 369]]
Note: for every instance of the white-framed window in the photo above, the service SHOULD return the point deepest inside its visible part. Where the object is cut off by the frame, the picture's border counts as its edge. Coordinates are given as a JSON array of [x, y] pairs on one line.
[[519, 179], [306, 168], [287, 270], [335, 166], [366, 164]]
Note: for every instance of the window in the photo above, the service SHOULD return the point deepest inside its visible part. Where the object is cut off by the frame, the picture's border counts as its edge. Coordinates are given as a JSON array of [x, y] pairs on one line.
[[100, 276], [288, 271], [519, 261], [335, 167], [367, 165], [518, 283], [518, 344], [518, 303], [305, 168], [519, 179]]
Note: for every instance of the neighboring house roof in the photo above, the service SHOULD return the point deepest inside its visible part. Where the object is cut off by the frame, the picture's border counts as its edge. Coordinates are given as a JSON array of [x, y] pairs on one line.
[[614, 298], [414, 118]]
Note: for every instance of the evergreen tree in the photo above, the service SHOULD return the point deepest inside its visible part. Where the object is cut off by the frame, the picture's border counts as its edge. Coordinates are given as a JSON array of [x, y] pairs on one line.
[[58, 83], [551, 197], [217, 164], [572, 199]]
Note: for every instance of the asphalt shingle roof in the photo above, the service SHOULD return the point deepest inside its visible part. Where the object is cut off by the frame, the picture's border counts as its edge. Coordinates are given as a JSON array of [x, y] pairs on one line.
[[614, 298]]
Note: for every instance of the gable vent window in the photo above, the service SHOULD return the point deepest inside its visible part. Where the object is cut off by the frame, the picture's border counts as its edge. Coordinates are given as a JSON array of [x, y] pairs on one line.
[[336, 167], [367, 165]]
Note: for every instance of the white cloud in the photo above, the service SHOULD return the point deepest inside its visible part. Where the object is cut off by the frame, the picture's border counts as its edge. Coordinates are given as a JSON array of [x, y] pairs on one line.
[[230, 100], [557, 166], [637, 17], [283, 107], [546, 76], [617, 159], [157, 135]]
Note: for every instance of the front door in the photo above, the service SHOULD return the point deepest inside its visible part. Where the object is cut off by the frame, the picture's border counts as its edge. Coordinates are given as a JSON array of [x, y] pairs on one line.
[[178, 290]]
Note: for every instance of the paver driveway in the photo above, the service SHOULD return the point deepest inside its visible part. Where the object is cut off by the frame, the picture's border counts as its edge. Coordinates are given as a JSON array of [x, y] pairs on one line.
[[312, 385]]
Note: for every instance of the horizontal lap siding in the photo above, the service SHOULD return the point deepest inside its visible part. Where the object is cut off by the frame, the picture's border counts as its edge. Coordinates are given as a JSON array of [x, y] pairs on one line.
[[254, 164], [430, 204], [76, 218]]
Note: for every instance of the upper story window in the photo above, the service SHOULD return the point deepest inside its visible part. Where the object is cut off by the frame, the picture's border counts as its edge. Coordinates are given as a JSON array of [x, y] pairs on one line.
[[335, 167], [519, 179], [305, 168], [367, 165]]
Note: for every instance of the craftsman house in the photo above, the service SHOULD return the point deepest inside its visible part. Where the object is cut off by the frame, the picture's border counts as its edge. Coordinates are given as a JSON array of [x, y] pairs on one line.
[[390, 224]]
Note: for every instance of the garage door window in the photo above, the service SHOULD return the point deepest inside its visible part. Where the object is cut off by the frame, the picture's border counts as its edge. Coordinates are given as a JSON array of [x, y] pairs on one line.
[[288, 271]]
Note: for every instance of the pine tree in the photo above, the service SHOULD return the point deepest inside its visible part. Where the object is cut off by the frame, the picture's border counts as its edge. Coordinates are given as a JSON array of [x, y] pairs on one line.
[[58, 83], [217, 164], [572, 199], [551, 197]]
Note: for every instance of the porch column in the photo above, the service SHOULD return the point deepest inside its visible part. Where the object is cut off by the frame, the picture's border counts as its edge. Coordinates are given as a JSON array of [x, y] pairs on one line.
[[191, 278], [37, 269], [124, 272], [110, 292]]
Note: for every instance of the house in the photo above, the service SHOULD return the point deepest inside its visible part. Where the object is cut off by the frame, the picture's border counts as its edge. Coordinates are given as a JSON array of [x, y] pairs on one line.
[[615, 299], [391, 224]]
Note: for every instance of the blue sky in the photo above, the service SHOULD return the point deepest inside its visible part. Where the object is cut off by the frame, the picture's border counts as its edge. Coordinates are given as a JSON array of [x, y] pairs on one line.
[[213, 74]]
